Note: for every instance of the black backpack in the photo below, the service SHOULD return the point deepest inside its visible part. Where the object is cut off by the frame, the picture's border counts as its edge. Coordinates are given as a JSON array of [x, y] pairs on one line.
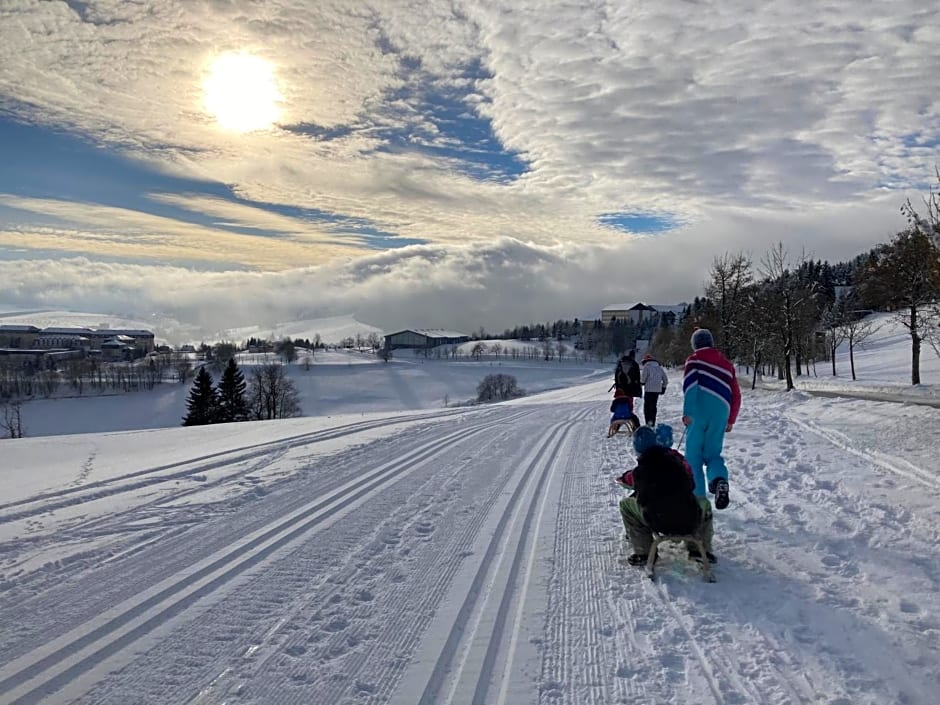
[[666, 493]]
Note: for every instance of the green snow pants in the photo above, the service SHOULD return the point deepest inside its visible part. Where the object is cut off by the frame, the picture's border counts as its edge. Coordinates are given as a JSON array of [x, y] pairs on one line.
[[640, 534]]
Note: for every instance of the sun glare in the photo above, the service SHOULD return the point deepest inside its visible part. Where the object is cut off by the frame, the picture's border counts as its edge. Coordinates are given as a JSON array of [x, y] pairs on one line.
[[241, 93]]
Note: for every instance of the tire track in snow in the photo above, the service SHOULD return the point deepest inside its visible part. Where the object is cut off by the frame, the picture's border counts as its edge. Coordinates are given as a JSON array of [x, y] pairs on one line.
[[48, 668], [101, 585], [455, 654], [134, 481], [376, 673]]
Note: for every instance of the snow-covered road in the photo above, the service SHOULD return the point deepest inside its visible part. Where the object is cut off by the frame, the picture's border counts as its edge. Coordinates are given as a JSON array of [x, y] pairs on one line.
[[465, 558]]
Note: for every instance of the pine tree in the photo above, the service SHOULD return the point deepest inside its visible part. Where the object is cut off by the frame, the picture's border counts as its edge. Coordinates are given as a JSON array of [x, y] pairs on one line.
[[203, 402], [231, 394]]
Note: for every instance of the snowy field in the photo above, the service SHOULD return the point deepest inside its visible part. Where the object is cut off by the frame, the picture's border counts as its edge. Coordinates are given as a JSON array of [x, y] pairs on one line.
[[468, 556], [882, 367], [337, 382]]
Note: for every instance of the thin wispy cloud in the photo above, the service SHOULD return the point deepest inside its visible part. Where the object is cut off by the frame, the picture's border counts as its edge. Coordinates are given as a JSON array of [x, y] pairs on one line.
[[457, 125]]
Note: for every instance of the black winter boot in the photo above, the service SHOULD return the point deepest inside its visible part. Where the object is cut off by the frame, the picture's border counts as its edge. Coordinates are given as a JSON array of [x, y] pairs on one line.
[[719, 488]]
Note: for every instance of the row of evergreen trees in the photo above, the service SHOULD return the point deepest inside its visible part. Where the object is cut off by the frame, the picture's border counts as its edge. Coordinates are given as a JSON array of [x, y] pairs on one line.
[[207, 404]]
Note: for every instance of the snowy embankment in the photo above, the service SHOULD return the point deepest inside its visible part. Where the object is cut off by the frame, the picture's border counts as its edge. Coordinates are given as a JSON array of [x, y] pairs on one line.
[[882, 367], [469, 557]]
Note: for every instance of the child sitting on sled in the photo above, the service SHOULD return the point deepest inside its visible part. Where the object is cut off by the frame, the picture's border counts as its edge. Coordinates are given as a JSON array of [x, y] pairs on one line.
[[664, 498], [621, 409]]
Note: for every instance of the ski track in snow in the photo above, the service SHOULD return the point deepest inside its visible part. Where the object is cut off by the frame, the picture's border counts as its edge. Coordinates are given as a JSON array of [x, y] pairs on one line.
[[476, 560]]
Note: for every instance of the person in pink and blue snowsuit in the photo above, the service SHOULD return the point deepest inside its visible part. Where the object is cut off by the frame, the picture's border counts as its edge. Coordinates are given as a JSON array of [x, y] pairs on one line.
[[709, 410]]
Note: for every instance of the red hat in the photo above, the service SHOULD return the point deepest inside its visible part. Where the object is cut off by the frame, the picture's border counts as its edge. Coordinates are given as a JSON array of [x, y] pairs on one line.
[[647, 357], [619, 393]]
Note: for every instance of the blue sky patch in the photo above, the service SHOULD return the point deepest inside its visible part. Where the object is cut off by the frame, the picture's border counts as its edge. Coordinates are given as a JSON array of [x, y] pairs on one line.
[[640, 222], [921, 139], [429, 116], [40, 162]]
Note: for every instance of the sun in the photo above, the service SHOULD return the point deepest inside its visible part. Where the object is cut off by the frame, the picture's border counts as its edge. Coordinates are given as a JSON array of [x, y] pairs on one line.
[[241, 92]]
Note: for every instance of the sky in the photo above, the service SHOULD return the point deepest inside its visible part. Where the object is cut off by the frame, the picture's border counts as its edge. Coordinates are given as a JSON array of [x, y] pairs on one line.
[[445, 163]]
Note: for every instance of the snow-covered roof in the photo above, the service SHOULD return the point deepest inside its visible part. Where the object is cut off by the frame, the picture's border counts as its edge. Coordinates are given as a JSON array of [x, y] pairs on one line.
[[67, 331], [433, 333], [635, 306], [123, 331]]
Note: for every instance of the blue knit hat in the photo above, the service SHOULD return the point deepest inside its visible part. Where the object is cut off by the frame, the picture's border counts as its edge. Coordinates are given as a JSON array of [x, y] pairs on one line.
[[664, 435], [702, 338], [644, 438]]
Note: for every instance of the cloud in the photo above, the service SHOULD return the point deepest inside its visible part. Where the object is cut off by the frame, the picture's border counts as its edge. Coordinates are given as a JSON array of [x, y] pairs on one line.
[[513, 139], [496, 284], [612, 106], [119, 232]]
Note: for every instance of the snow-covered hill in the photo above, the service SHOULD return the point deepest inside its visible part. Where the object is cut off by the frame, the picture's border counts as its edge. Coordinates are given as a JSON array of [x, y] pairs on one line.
[[332, 330], [467, 556], [882, 366]]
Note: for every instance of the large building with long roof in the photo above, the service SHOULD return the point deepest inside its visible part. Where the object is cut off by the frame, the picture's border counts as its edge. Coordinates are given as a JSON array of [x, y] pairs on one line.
[[423, 338]]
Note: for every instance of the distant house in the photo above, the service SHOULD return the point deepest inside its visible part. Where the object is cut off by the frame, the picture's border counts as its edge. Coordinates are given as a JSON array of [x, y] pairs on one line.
[[423, 338], [635, 312], [120, 347]]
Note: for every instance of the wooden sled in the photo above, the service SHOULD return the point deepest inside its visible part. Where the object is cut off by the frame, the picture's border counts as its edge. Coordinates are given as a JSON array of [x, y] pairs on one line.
[[707, 574], [627, 426]]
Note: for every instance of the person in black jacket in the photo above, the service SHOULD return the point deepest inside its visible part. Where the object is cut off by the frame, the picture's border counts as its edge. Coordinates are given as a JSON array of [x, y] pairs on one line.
[[627, 375], [664, 499]]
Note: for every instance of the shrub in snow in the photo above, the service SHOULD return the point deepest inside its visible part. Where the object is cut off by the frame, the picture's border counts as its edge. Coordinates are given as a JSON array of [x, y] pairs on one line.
[[498, 387]]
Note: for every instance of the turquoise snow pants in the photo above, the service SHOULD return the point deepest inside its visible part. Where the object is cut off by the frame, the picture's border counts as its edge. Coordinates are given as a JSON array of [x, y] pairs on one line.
[[704, 441]]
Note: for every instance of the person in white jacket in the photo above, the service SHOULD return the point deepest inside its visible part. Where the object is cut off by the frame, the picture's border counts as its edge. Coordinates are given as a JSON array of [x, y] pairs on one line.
[[654, 380]]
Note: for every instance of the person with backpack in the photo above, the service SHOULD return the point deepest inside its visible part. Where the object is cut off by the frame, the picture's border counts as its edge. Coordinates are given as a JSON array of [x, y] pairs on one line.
[[709, 410], [664, 497], [627, 375], [654, 380]]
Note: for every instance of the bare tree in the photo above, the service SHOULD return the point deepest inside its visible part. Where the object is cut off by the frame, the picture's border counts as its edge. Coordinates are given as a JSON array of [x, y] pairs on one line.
[[906, 275], [479, 350], [759, 335], [11, 418], [272, 394], [929, 223], [792, 299], [856, 330], [183, 367], [497, 387], [835, 336], [730, 276]]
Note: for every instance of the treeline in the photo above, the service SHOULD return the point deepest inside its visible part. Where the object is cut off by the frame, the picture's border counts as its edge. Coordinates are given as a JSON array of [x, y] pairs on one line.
[[591, 336], [783, 313], [90, 375], [269, 395]]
